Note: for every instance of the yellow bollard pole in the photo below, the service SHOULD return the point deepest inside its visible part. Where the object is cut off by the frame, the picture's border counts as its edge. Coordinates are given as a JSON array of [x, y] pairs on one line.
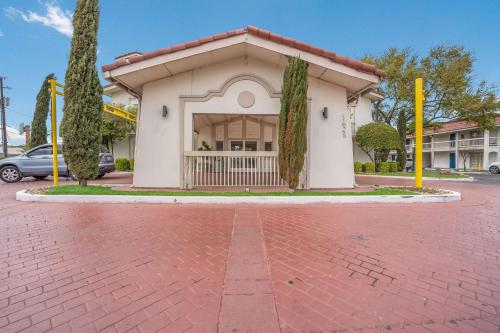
[[419, 119], [55, 170]]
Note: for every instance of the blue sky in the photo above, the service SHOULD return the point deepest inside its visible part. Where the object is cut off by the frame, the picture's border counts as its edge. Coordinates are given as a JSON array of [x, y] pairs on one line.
[[35, 34]]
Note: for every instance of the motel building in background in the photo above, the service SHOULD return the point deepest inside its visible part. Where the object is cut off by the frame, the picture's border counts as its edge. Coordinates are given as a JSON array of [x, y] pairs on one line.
[[451, 143]]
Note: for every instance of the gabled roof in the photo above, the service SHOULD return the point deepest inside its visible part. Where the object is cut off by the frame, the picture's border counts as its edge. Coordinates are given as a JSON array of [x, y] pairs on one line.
[[254, 31]]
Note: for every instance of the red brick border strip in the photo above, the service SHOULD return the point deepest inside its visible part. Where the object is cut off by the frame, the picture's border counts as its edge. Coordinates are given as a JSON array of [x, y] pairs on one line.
[[248, 302]]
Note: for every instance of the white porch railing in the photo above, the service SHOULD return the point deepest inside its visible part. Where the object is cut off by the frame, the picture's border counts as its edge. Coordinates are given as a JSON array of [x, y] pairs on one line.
[[231, 168], [493, 141], [471, 143], [444, 145], [450, 145]]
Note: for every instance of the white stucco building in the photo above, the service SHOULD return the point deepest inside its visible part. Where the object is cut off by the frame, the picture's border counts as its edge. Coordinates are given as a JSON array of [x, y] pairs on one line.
[[452, 143], [208, 110]]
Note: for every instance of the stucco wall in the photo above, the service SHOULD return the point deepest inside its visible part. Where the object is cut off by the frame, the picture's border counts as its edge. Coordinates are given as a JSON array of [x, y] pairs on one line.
[[159, 140], [359, 155], [361, 115], [330, 140], [204, 134], [441, 159], [125, 148], [123, 98]]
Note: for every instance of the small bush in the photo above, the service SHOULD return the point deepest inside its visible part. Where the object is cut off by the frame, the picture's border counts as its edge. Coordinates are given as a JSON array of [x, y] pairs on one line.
[[122, 164], [393, 166], [369, 167], [131, 163], [383, 167], [358, 167]]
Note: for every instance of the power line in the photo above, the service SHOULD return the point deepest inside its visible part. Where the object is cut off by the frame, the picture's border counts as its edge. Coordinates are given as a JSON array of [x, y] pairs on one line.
[[4, 123], [20, 113]]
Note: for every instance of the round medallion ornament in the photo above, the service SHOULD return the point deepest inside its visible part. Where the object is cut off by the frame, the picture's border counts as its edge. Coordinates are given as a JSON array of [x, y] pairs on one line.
[[246, 99]]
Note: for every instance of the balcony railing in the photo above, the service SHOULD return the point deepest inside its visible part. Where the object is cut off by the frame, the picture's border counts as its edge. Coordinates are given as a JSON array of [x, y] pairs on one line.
[[450, 145], [470, 143], [231, 168]]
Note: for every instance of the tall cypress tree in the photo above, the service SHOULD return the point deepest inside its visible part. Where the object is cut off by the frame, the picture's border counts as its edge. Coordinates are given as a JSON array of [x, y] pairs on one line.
[[39, 124], [81, 122], [402, 130], [293, 121]]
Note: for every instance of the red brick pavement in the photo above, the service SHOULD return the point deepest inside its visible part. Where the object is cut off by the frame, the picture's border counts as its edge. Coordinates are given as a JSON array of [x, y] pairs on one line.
[[338, 268]]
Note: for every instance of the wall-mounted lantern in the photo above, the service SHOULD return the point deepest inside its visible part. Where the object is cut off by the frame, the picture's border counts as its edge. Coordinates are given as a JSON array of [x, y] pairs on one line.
[[325, 113], [164, 112]]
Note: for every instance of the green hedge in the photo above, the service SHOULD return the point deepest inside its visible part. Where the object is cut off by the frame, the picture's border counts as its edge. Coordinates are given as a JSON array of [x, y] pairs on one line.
[[131, 162], [369, 167], [358, 167], [122, 164], [383, 167], [393, 166]]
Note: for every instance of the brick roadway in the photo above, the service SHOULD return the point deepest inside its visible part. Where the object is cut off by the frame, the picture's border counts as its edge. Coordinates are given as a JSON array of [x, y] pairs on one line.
[[336, 268]]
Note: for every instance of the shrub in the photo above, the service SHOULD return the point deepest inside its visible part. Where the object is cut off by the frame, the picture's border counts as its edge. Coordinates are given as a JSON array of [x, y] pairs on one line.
[[122, 164], [358, 167], [369, 167], [376, 140], [383, 167], [131, 163], [393, 166]]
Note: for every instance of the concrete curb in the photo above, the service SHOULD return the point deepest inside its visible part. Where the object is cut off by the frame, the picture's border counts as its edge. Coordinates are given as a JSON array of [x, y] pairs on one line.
[[287, 200], [468, 179]]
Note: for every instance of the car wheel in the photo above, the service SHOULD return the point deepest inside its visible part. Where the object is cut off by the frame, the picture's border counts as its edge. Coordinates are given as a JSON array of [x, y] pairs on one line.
[[40, 177], [10, 174], [494, 169], [100, 176]]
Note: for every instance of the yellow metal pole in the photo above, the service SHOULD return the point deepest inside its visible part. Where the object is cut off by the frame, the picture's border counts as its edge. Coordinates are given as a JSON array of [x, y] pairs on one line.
[[419, 119], [53, 95]]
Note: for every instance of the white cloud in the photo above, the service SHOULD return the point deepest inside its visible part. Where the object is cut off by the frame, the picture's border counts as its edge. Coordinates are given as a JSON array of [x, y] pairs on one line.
[[55, 17], [1, 34]]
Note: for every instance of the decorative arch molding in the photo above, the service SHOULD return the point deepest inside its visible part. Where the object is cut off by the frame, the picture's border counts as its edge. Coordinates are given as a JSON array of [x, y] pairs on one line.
[[223, 89]]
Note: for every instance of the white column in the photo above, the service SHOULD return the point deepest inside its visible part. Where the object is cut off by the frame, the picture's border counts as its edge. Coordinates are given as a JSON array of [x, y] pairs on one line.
[[432, 151], [486, 148]]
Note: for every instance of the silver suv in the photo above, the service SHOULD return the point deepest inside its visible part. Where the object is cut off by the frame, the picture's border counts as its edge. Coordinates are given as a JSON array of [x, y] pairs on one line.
[[37, 163]]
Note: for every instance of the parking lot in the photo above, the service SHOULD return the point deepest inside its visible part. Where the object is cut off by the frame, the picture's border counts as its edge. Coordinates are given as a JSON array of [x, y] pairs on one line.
[[200, 268], [486, 178]]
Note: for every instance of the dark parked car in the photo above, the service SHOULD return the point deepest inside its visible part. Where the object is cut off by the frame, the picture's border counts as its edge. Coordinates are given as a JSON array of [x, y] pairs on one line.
[[37, 163]]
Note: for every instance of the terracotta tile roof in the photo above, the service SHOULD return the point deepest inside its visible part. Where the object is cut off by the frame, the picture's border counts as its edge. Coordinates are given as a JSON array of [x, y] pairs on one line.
[[254, 31], [454, 125]]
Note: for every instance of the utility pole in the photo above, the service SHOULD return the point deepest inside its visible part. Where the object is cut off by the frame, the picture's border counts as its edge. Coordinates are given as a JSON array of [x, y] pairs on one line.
[[4, 123]]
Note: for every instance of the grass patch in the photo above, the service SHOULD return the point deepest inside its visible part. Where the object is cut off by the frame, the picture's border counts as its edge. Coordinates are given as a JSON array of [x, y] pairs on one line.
[[426, 173], [102, 190]]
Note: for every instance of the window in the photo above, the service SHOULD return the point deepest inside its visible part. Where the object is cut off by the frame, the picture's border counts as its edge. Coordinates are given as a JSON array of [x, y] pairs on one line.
[[243, 145], [236, 145], [41, 152], [251, 146], [219, 145], [268, 146]]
